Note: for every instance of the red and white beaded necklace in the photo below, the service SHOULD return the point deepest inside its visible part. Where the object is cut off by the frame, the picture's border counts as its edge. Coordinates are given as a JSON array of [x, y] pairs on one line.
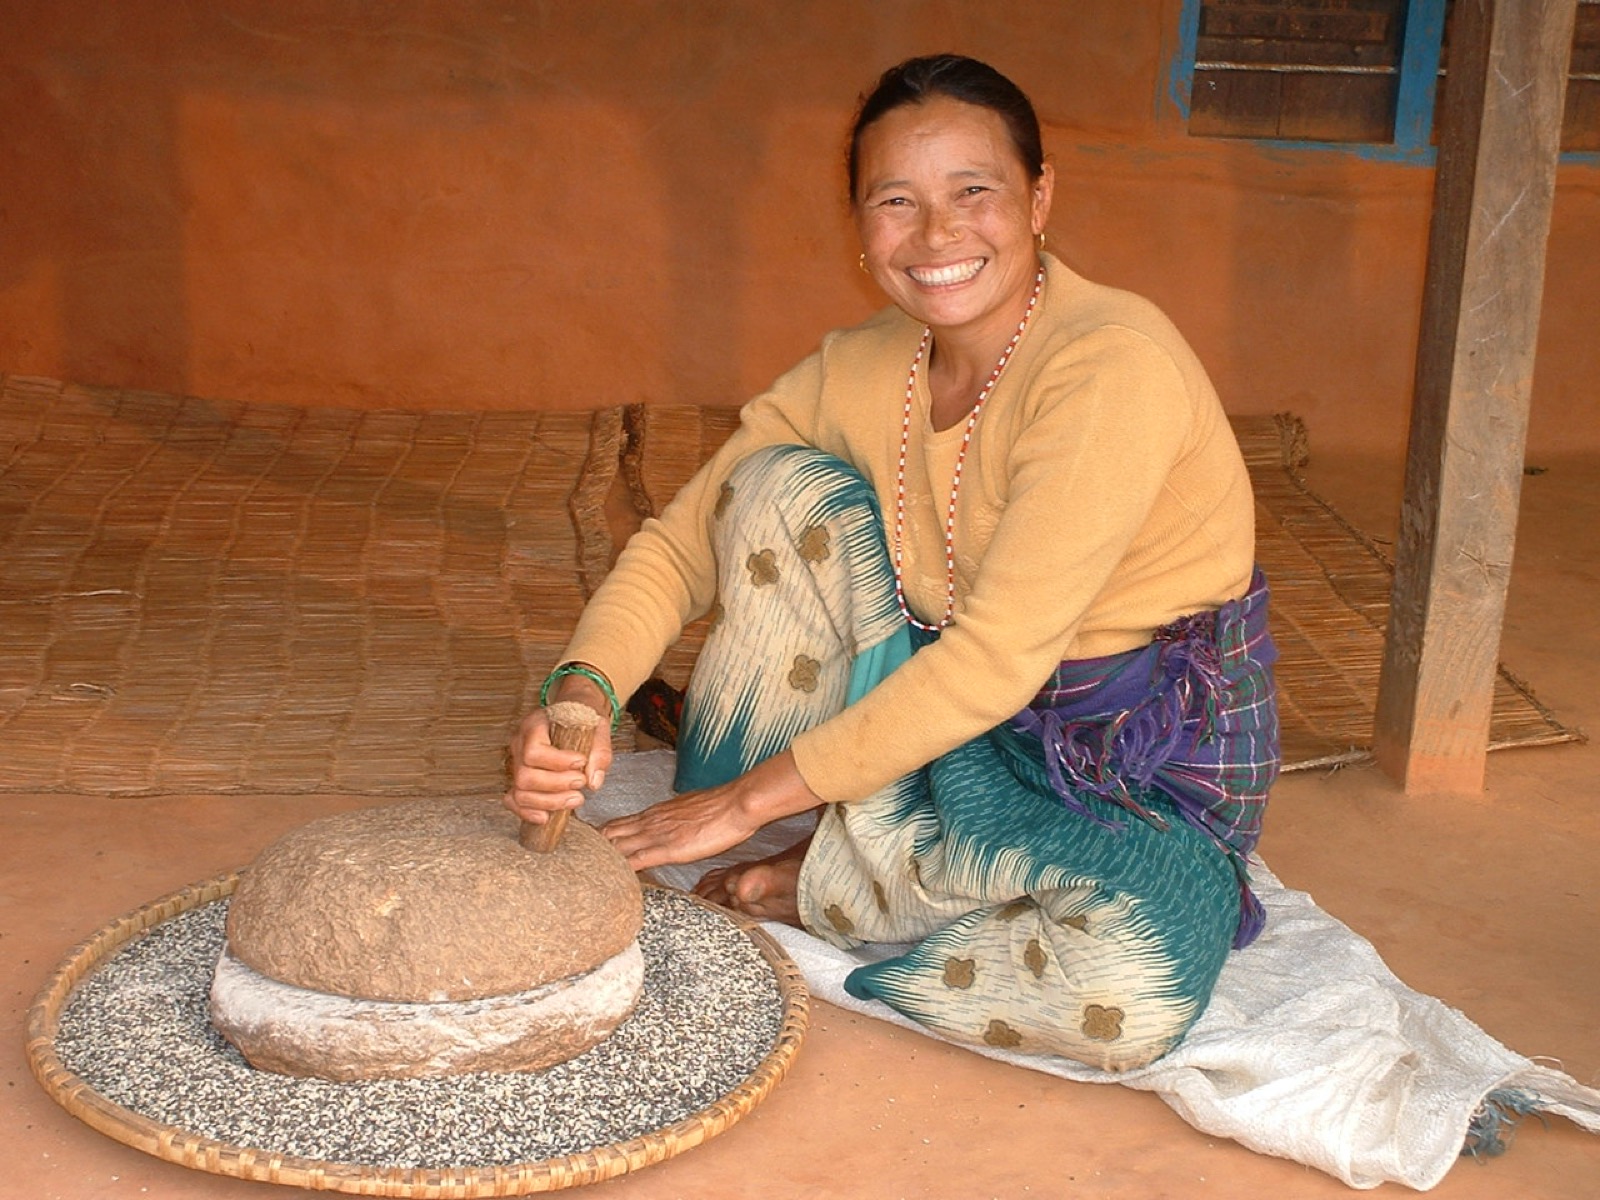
[[955, 482]]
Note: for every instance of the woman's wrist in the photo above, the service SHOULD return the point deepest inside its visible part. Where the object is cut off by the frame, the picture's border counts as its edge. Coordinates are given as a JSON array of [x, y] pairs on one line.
[[585, 684], [576, 689], [779, 791]]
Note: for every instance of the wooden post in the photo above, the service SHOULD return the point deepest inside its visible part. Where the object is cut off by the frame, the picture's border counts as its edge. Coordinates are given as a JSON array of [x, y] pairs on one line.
[[1500, 131]]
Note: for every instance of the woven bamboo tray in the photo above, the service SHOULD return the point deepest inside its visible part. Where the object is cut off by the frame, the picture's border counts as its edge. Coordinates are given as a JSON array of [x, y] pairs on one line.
[[206, 1154]]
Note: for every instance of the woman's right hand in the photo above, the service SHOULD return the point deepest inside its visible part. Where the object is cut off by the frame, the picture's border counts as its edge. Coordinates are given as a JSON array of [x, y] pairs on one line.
[[546, 780]]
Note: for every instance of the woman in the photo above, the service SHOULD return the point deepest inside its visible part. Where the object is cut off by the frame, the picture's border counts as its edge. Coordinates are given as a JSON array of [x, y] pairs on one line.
[[983, 573]]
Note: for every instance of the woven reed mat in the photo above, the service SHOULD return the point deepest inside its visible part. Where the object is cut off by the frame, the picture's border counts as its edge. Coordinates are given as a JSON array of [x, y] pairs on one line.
[[208, 597], [1330, 585]]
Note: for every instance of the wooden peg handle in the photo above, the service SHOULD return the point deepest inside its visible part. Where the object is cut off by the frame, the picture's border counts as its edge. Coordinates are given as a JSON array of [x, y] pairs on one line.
[[572, 727]]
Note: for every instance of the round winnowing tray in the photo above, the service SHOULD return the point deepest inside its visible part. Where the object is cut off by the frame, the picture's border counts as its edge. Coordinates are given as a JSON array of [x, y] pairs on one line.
[[666, 1087]]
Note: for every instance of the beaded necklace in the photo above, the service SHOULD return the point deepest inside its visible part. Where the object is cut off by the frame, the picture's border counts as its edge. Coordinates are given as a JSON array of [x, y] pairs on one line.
[[955, 482]]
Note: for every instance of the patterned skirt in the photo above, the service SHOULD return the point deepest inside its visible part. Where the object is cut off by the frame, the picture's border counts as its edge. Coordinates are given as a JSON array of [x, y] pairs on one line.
[[1019, 921]]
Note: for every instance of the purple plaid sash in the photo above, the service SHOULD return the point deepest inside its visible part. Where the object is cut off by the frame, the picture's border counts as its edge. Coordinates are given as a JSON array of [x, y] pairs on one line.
[[1191, 718]]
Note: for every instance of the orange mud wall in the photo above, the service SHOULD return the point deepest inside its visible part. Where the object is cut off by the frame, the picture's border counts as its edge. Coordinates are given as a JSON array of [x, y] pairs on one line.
[[501, 203]]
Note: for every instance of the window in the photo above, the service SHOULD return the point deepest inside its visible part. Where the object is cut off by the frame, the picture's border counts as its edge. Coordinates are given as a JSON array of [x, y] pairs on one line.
[[1581, 128], [1297, 70], [1366, 73]]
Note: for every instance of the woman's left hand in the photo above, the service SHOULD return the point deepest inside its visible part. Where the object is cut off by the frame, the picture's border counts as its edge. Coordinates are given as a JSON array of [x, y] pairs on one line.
[[699, 824]]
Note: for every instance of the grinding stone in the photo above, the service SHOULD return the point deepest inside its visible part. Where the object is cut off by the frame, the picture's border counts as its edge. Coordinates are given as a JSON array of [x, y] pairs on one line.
[[297, 1032], [430, 901]]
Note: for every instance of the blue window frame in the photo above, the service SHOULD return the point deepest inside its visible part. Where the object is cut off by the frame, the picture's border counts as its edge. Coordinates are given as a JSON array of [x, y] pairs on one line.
[[1412, 63]]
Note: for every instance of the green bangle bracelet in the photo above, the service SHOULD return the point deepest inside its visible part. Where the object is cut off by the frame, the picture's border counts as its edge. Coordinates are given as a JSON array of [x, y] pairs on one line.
[[593, 676]]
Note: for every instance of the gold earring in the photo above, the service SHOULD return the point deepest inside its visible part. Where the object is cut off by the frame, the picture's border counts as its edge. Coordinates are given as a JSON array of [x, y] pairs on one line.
[[1041, 239], [862, 263]]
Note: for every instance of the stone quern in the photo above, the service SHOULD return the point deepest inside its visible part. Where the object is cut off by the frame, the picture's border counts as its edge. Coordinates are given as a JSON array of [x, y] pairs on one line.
[[422, 938]]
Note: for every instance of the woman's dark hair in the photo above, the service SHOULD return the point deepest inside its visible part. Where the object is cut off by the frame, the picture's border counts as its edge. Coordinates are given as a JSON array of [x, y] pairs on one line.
[[918, 80]]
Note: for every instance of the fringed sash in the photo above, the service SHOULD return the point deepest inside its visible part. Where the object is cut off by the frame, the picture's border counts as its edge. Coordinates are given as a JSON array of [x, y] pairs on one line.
[[1191, 717]]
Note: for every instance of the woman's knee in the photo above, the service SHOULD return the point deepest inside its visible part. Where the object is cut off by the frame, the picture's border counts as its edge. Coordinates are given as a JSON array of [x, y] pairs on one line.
[[1131, 988]]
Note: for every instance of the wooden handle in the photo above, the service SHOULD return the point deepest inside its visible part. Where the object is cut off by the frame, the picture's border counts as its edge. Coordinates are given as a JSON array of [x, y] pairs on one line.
[[572, 727], [544, 838]]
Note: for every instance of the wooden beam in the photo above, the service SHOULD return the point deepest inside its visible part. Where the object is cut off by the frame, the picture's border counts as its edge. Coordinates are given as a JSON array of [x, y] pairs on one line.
[[1500, 128]]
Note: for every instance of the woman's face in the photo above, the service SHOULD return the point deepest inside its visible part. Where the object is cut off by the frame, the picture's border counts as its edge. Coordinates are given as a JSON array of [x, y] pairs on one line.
[[948, 217]]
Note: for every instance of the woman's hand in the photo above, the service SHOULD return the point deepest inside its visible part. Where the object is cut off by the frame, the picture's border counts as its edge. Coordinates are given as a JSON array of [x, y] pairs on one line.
[[545, 779], [699, 824]]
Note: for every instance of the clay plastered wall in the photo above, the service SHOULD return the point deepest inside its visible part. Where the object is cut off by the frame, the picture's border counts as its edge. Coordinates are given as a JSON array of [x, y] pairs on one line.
[[570, 205]]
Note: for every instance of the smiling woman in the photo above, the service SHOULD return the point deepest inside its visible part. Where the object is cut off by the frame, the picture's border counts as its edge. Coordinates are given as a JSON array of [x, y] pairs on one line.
[[982, 574], [950, 203]]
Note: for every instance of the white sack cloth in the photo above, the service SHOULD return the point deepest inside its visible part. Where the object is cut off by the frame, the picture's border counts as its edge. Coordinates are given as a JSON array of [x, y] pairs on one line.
[[1310, 1050]]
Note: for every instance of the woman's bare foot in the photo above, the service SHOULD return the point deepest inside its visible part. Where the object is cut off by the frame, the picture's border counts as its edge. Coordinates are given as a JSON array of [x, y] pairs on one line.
[[768, 889]]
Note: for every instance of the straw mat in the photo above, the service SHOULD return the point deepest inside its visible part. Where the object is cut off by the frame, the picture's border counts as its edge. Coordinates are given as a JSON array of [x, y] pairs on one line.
[[1330, 607], [207, 597], [211, 597], [1330, 584]]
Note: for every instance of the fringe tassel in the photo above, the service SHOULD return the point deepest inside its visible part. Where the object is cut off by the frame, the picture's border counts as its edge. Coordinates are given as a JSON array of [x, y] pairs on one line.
[[1492, 1127]]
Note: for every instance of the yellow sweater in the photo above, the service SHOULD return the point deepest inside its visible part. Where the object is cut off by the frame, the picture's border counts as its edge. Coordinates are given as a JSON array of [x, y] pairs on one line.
[[1103, 496]]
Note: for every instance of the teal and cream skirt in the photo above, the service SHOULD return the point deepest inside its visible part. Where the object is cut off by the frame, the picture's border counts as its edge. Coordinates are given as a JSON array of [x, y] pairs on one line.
[[1024, 924]]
